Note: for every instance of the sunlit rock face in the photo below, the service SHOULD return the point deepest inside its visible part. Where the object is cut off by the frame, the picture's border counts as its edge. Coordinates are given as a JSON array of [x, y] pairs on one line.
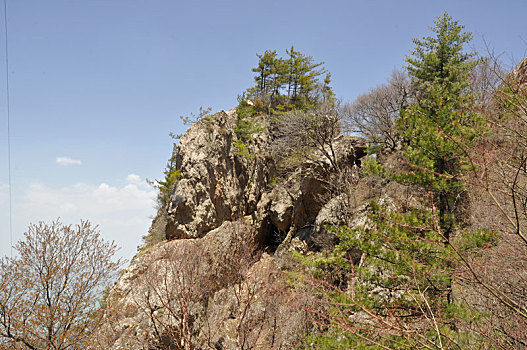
[[216, 183], [231, 223]]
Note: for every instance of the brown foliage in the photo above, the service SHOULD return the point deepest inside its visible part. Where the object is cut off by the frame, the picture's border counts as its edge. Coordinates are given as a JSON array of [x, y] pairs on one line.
[[497, 278], [50, 292]]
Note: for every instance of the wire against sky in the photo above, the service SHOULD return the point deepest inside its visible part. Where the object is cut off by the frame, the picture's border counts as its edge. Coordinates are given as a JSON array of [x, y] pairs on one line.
[[8, 132]]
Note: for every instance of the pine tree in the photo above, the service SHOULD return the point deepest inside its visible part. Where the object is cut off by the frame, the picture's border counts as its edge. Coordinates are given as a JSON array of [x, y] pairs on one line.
[[328, 96], [265, 68], [438, 127], [297, 75], [304, 77], [278, 76], [403, 282], [291, 71]]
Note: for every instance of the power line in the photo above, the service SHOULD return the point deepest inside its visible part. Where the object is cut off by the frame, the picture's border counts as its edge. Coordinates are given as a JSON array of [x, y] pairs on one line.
[[8, 132]]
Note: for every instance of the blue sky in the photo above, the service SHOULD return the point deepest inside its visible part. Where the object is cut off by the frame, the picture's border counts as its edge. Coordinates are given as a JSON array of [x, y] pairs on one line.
[[96, 86]]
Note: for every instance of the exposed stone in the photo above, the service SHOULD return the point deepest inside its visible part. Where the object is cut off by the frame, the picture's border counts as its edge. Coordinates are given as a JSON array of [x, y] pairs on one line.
[[226, 208], [331, 214], [520, 73], [215, 184], [255, 313]]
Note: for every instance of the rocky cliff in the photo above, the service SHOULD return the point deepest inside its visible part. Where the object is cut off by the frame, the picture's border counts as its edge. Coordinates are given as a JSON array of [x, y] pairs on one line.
[[211, 274], [230, 225]]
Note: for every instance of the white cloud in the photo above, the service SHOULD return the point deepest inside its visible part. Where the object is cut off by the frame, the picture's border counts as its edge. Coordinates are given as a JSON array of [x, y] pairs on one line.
[[134, 179], [68, 161], [122, 212], [86, 199]]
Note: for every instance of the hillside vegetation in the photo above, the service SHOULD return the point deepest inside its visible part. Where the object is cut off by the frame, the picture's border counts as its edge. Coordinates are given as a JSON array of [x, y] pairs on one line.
[[298, 221]]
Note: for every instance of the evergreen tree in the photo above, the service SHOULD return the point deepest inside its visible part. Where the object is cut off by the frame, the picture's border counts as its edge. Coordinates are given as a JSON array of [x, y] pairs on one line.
[[264, 70], [291, 70], [277, 77], [402, 284], [440, 60], [439, 126], [297, 75], [304, 76], [328, 96]]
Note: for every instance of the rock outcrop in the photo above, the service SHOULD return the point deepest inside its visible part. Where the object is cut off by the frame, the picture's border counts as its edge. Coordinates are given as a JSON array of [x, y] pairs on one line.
[[216, 184], [214, 281]]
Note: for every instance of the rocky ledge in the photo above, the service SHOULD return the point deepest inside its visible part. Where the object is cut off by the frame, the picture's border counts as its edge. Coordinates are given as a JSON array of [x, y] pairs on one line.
[[230, 225]]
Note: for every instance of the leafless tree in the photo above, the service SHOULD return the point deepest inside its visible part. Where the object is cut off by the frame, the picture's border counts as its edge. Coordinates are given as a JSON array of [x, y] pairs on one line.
[[486, 78], [197, 292], [312, 141], [247, 308], [175, 286], [251, 303], [373, 115], [50, 292], [500, 185], [489, 280], [301, 135]]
